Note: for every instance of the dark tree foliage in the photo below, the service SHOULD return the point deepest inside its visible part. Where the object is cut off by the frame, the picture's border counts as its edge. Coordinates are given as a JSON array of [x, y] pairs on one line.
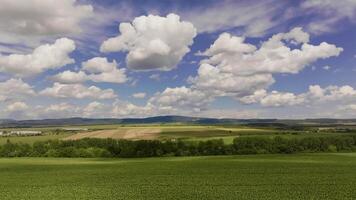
[[92, 147]]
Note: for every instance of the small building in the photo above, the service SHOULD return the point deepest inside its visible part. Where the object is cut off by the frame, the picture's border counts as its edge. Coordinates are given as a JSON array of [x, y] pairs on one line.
[[25, 133], [1, 133]]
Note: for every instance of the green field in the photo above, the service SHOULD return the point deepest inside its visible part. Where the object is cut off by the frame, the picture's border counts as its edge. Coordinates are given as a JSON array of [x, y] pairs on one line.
[[31, 139], [300, 176]]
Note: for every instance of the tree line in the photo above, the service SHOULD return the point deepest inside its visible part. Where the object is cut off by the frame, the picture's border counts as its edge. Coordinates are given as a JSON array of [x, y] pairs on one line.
[[92, 147]]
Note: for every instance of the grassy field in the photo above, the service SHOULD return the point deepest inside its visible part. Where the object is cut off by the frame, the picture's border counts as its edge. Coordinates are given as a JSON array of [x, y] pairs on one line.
[[31, 139], [300, 176]]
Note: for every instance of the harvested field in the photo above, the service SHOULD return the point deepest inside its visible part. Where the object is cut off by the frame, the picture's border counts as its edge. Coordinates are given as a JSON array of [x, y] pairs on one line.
[[122, 133]]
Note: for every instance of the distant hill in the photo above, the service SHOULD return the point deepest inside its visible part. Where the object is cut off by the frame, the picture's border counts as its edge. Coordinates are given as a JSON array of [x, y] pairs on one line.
[[148, 120], [167, 119]]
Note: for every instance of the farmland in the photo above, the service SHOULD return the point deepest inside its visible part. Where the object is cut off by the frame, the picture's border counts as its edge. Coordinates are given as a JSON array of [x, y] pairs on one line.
[[186, 132], [32, 139], [299, 176], [182, 168], [142, 131]]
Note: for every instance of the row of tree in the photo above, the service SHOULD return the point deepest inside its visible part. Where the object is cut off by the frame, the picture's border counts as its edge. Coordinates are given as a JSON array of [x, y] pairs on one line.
[[90, 147]]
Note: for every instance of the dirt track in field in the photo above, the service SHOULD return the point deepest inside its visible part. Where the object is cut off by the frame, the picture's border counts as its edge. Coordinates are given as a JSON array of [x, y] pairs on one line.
[[129, 134]]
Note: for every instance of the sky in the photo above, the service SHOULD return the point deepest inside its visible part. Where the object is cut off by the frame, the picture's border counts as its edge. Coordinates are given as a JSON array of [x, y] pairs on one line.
[[224, 59]]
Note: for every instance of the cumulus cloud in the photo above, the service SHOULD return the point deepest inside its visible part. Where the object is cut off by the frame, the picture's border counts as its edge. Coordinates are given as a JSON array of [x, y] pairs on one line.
[[214, 81], [60, 110], [77, 91], [101, 70], [274, 98], [44, 57], [331, 93], [277, 99], [61, 107], [127, 109], [315, 95], [153, 42], [15, 88], [180, 97], [70, 77], [139, 95], [98, 65], [237, 68], [17, 106], [97, 69], [274, 55], [23, 21], [97, 109]]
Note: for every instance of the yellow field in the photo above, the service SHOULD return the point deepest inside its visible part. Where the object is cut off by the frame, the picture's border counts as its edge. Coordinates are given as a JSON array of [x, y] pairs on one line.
[[137, 133], [149, 132]]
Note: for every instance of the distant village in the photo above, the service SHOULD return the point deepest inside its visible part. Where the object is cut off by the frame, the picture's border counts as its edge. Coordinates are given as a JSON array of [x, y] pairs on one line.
[[20, 133], [35, 133]]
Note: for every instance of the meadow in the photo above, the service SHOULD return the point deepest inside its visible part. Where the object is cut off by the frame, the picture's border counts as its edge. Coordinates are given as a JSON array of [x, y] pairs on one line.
[[298, 176]]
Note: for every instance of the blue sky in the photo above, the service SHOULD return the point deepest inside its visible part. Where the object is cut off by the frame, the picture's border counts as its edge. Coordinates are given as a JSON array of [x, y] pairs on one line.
[[224, 59]]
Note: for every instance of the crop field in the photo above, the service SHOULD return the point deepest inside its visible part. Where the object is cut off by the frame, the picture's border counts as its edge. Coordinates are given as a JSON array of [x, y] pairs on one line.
[[299, 176], [169, 132], [32, 139], [159, 132]]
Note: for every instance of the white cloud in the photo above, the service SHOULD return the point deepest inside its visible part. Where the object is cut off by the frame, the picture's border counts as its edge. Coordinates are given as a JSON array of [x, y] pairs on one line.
[[254, 18], [77, 91], [139, 95], [60, 110], [328, 13], [127, 109], [15, 88], [326, 67], [17, 106], [332, 93], [70, 77], [180, 97], [44, 57], [274, 56], [349, 107], [253, 98], [29, 21], [104, 71], [236, 68], [61, 107], [153, 42], [277, 99], [315, 95], [97, 69], [155, 77], [274, 98], [211, 79], [98, 65], [97, 110]]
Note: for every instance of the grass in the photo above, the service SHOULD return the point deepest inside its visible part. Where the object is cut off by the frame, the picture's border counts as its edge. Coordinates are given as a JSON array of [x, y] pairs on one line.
[[303, 176], [31, 139]]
